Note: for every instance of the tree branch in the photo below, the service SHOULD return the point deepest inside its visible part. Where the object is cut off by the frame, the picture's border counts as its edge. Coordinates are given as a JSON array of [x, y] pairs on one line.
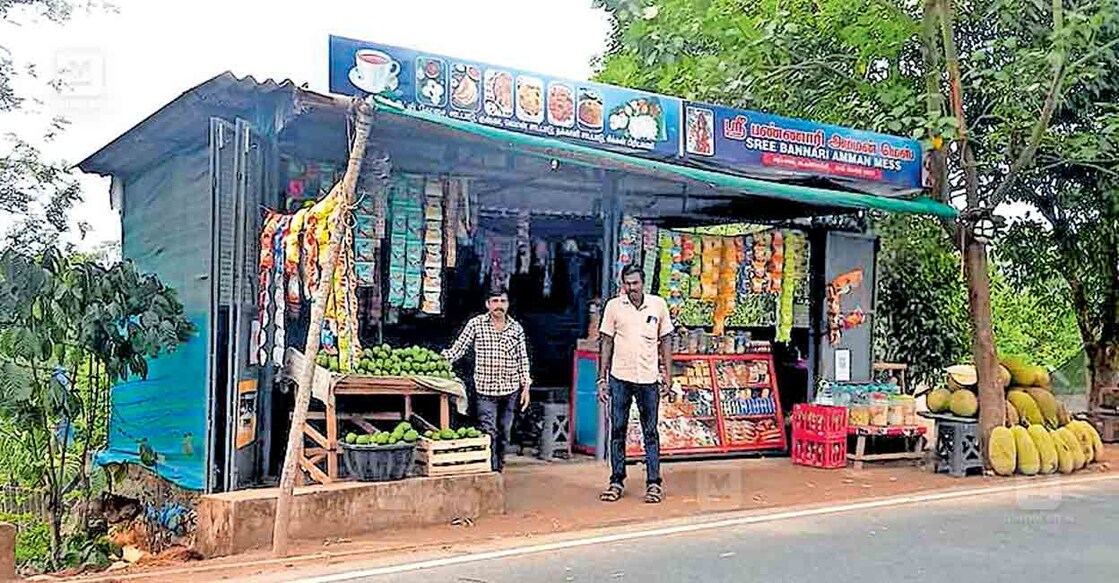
[[1052, 98]]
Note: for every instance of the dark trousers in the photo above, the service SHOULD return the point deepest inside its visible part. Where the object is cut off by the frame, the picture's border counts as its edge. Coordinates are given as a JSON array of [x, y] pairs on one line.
[[622, 395], [495, 415]]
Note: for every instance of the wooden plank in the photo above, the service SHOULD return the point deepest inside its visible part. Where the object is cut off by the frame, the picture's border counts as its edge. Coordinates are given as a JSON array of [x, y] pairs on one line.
[[315, 473], [453, 458], [315, 459], [478, 468], [331, 436], [315, 435], [314, 451], [444, 411], [364, 425], [407, 406]]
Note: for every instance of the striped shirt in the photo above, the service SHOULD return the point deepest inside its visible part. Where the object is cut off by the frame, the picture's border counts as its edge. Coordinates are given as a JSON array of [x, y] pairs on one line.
[[500, 357]]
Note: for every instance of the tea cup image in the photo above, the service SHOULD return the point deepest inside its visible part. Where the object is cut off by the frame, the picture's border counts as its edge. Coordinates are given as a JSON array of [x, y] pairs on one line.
[[373, 70]]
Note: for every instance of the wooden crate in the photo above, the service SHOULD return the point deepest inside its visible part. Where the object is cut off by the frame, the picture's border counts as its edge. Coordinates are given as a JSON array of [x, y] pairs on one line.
[[469, 455]]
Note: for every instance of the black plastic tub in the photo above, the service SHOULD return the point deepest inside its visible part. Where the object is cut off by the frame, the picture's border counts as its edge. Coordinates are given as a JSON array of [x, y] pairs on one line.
[[378, 463]]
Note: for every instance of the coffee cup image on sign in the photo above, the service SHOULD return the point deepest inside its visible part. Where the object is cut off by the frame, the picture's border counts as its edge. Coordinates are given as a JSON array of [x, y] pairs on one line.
[[374, 71]]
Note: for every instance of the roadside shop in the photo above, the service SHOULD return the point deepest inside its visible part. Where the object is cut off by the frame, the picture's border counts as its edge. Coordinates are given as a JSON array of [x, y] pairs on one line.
[[751, 225]]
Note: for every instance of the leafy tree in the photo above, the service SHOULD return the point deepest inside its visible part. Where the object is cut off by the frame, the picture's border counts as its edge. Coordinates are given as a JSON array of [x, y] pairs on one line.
[[921, 304], [979, 81], [36, 193], [67, 332]]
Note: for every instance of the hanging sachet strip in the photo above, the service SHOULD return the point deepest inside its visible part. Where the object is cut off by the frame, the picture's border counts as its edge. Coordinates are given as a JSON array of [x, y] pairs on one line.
[[266, 265]]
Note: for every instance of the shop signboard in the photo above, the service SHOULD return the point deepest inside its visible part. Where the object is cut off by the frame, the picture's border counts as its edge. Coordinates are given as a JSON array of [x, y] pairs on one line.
[[593, 114], [739, 140], [714, 137]]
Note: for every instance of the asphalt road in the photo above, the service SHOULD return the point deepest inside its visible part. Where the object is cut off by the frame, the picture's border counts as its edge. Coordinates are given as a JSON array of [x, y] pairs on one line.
[[1035, 535]]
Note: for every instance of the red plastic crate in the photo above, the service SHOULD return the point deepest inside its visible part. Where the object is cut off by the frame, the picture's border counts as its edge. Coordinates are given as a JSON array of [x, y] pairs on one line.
[[829, 454], [819, 422]]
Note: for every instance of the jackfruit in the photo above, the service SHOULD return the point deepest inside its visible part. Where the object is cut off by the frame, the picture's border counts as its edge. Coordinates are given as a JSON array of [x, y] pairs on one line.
[[1065, 462], [1012, 418], [1047, 452], [1021, 374], [964, 404], [1083, 436], [1048, 405], [1026, 406], [1097, 442], [1078, 460], [1063, 416], [1004, 377], [1002, 451], [962, 376], [1040, 377], [938, 400], [1029, 460]]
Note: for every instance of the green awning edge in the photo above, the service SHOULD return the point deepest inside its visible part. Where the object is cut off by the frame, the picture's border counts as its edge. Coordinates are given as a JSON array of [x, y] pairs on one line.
[[573, 152]]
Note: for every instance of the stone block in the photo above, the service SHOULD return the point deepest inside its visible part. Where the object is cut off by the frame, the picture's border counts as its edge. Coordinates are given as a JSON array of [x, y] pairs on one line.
[[235, 522]]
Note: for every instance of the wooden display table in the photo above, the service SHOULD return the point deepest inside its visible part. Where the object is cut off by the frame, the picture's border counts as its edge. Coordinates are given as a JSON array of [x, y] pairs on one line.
[[320, 462], [914, 436]]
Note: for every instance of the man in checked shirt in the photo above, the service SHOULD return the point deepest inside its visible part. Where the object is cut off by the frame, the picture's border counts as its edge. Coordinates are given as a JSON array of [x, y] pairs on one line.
[[501, 372]]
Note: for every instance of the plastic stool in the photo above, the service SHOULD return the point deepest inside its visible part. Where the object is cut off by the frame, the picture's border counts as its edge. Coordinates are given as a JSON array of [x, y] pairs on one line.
[[555, 437], [957, 448]]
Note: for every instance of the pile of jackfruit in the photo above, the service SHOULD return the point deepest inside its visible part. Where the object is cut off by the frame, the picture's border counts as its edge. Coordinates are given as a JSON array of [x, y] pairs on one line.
[[1040, 436]]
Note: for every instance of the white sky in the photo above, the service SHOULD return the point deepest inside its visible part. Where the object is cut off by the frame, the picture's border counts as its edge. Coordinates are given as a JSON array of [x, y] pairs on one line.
[[152, 50]]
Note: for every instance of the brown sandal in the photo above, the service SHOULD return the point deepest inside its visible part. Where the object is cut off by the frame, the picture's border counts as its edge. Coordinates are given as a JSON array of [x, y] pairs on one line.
[[611, 494], [654, 494]]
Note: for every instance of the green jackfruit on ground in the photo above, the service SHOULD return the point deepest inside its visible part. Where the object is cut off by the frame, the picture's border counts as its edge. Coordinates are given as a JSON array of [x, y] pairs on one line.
[[1026, 406], [938, 400], [964, 404], [1073, 443], [1012, 418], [1084, 436], [1029, 460], [1048, 405], [1065, 462], [1002, 451], [1047, 452]]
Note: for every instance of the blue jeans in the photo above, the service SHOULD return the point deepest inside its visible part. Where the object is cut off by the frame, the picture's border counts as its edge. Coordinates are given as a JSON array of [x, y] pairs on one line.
[[622, 395], [495, 415]]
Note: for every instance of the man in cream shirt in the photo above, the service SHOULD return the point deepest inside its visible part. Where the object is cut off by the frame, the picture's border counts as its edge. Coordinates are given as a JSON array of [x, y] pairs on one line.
[[634, 366]]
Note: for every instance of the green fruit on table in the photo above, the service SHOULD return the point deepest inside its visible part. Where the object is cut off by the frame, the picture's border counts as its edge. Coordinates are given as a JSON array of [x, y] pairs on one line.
[[381, 438], [447, 434], [364, 440], [474, 433], [428, 433], [351, 438], [411, 436], [403, 427]]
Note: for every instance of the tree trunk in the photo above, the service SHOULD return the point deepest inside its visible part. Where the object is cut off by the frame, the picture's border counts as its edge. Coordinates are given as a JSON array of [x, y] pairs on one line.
[[992, 401], [280, 534], [1103, 367]]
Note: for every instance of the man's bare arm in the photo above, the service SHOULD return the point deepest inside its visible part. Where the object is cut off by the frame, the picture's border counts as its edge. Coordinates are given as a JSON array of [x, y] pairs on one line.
[[605, 355], [666, 358]]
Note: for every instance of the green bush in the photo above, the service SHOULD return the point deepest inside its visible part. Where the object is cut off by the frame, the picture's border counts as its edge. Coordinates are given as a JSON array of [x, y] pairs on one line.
[[33, 539]]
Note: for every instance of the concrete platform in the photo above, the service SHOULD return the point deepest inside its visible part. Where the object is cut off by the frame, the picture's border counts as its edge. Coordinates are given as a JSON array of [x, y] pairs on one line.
[[236, 522]]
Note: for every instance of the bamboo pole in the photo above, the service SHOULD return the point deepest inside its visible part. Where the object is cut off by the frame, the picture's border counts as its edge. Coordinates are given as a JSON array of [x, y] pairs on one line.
[[280, 532]]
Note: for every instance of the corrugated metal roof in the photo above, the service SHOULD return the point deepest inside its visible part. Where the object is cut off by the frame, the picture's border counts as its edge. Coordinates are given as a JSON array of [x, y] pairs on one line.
[[184, 122]]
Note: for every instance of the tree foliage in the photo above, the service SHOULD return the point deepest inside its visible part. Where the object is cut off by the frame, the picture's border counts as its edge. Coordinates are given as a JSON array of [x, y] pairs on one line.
[[1026, 78], [37, 193], [68, 331], [921, 304]]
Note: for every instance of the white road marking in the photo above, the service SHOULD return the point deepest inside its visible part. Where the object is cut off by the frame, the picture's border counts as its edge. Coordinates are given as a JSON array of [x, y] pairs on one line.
[[698, 527]]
